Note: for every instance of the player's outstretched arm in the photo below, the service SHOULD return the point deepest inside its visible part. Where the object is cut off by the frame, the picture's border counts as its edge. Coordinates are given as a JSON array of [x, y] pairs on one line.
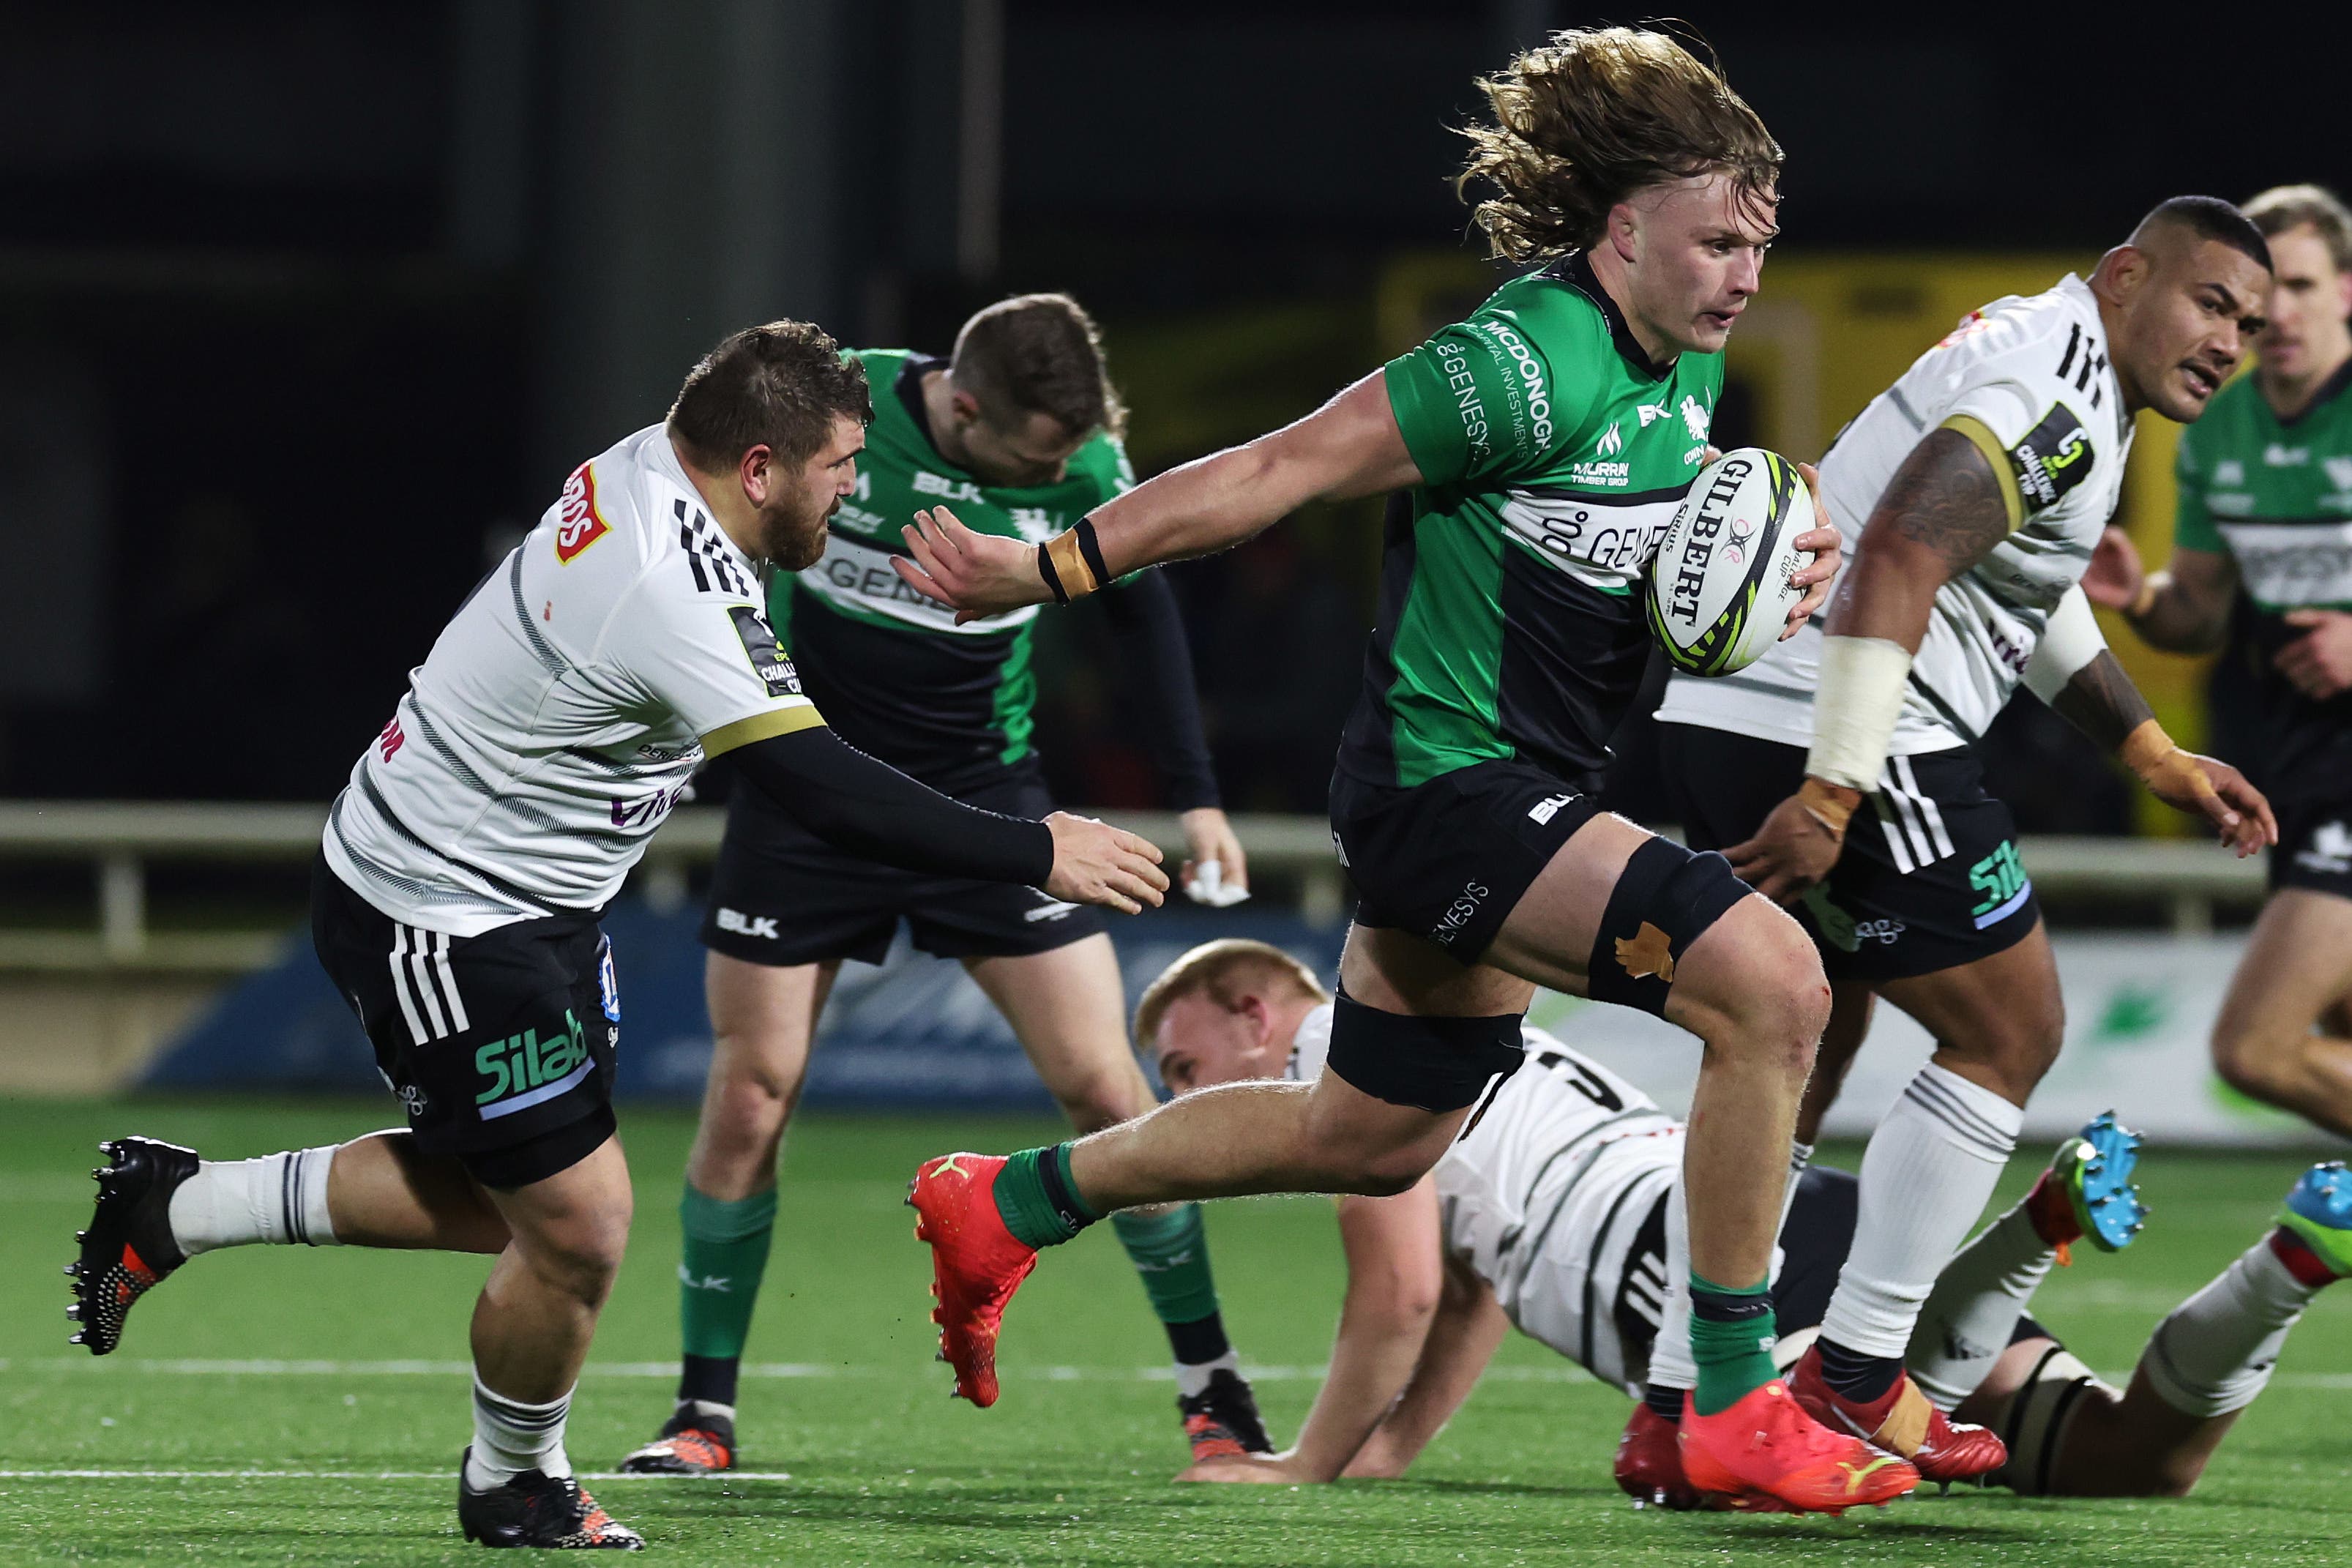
[[2073, 671], [1349, 448], [1391, 1245], [1462, 1339], [2185, 608], [853, 802], [1945, 508]]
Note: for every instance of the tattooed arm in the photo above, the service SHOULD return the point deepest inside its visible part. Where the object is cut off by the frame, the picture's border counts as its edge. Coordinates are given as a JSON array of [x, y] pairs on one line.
[[2101, 701], [1942, 511]]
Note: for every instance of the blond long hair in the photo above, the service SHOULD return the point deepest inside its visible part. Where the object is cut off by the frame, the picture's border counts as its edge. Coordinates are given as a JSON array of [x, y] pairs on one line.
[[1585, 120]]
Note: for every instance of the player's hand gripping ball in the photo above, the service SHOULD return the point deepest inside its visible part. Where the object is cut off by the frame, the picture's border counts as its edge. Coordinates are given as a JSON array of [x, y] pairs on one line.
[[1724, 577]]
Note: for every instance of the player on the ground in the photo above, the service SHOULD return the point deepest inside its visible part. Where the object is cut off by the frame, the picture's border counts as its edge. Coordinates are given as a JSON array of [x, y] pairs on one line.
[[2265, 507], [1021, 429], [1977, 484], [1545, 443], [456, 899], [1549, 1215]]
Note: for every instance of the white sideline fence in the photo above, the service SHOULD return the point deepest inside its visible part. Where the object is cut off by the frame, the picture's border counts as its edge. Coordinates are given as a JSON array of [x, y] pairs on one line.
[[2184, 879]]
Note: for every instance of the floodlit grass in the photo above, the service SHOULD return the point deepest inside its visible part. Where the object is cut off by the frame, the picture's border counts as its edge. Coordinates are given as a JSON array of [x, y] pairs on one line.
[[1070, 1467]]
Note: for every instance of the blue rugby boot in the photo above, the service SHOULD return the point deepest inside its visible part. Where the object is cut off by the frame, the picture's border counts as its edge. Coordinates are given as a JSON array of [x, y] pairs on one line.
[[2319, 1214], [2087, 1195]]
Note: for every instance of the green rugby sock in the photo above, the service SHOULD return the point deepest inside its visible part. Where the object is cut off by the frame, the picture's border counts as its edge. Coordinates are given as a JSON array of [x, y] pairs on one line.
[[1732, 1334], [1038, 1201], [725, 1253], [1171, 1253]]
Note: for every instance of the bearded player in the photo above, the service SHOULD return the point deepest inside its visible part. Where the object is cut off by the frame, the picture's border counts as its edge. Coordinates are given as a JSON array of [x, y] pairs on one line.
[[455, 901], [1542, 446], [1022, 427], [1985, 475], [2265, 510], [1549, 1216]]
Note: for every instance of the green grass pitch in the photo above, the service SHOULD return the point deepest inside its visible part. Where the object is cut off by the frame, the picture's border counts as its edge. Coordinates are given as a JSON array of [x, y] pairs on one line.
[[350, 1389]]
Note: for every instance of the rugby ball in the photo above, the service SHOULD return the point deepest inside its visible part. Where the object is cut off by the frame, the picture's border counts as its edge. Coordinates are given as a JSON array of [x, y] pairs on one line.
[[1719, 587]]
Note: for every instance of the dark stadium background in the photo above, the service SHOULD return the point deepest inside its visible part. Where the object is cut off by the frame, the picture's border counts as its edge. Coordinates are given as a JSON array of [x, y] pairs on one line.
[[306, 308]]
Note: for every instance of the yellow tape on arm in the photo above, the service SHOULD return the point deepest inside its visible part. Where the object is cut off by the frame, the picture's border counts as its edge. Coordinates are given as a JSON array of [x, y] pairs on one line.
[[1980, 434], [760, 726]]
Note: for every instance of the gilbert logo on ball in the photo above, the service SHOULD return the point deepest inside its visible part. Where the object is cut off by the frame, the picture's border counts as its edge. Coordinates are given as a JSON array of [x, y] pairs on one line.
[[1721, 588]]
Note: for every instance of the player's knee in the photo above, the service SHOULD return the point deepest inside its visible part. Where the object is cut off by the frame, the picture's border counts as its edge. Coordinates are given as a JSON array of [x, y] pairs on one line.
[[1684, 937], [1407, 1078], [1104, 1098], [2245, 1061], [757, 1079], [1383, 1174], [1758, 988], [581, 1256]]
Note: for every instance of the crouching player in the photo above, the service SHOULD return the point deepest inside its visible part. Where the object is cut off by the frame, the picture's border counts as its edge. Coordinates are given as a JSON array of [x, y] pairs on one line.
[[1550, 1215]]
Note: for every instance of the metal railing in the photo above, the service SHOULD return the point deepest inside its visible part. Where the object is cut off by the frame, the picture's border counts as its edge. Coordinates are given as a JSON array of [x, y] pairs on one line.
[[118, 838]]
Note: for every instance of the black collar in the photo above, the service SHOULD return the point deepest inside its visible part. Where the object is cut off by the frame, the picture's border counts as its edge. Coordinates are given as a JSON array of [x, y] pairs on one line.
[[2329, 390], [1575, 270], [909, 385]]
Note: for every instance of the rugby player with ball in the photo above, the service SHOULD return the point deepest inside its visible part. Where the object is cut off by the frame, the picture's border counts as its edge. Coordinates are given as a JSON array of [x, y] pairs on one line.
[[1977, 487], [1536, 452]]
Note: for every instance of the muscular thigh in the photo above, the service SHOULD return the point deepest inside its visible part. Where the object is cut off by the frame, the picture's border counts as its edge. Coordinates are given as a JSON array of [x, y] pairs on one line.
[[763, 1018], [1068, 1006], [2001, 1009], [2297, 966]]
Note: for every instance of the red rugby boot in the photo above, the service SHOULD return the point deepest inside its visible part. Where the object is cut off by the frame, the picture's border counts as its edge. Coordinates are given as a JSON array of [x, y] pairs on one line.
[[976, 1264], [1902, 1423], [1766, 1455], [1649, 1462]]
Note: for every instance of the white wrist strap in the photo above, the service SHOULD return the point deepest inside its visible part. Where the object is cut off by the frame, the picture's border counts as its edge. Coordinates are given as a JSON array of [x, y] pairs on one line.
[[1855, 709], [2070, 641]]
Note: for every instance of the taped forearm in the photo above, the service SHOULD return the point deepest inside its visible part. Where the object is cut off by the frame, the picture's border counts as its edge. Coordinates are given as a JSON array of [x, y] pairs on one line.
[[2068, 642], [855, 802], [1854, 709]]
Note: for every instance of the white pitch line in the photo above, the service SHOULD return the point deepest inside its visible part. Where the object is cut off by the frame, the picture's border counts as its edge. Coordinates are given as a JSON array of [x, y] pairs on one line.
[[342, 1476]]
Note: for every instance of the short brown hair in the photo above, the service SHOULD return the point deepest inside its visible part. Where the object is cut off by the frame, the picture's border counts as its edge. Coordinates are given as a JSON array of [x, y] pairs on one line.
[[780, 385], [1039, 354], [2283, 207], [1594, 116], [1224, 969]]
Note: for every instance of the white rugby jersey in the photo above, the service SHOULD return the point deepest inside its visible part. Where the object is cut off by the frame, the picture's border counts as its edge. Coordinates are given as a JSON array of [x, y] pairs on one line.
[[1554, 1196], [2027, 378], [565, 706]]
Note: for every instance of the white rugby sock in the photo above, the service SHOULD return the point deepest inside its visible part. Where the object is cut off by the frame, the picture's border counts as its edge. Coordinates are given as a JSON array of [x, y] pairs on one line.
[[511, 1437], [1671, 1364], [1927, 1175], [234, 1202], [2214, 1352], [1975, 1306]]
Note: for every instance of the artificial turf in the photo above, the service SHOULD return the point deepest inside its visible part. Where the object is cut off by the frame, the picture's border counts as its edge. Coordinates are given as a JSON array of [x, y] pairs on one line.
[[329, 1384]]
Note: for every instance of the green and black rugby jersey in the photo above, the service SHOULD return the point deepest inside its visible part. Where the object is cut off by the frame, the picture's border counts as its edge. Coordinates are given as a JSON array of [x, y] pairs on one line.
[[891, 671], [1553, 455], [2276, 497]]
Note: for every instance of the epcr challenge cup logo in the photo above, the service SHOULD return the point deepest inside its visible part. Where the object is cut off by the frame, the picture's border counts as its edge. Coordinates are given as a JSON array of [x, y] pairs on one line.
[[1739, 530]]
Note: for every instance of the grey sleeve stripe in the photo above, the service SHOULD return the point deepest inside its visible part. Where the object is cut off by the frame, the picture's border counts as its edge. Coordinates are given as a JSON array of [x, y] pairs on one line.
[[551, 660], [1894, 395]]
